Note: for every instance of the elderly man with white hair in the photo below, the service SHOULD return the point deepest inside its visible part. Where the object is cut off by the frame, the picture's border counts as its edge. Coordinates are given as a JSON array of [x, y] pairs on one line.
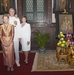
[[16, 22]]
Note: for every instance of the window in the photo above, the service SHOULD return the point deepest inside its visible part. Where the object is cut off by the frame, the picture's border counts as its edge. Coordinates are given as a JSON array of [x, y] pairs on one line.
[[35, 10]]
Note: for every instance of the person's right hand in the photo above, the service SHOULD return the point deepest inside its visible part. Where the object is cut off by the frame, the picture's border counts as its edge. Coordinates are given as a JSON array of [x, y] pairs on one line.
[[6, 43]]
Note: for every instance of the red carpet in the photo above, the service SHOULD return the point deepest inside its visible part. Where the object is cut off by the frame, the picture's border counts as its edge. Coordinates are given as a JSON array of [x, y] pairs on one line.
[[26, 69]]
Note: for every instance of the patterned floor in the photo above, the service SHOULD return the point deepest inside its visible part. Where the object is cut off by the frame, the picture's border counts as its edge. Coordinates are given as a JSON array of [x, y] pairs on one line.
[[48, 62]]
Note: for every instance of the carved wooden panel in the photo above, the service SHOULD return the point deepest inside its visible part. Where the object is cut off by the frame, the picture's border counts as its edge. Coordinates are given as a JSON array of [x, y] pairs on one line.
[[49, 11], [72, 6], [20, 8]]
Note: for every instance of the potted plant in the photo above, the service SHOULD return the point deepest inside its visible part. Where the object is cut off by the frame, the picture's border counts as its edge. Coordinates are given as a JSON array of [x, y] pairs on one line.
[[41, 40]]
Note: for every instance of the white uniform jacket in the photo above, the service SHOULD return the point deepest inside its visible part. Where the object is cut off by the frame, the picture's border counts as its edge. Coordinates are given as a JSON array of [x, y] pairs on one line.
[[16, 27]]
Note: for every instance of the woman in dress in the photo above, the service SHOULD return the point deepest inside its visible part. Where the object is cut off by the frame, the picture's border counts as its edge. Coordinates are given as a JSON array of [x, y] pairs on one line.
[[7, 33], [25, 38]]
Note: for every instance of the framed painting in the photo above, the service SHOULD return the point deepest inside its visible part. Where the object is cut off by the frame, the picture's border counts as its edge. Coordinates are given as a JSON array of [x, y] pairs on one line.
[[65, 23], [5, 5], [60, 5]]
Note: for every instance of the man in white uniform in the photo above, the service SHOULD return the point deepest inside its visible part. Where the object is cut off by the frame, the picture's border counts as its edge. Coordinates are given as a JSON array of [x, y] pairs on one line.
[[16, 22]]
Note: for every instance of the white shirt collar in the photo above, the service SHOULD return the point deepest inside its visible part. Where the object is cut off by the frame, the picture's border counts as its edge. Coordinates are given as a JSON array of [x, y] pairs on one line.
[[11, 16]]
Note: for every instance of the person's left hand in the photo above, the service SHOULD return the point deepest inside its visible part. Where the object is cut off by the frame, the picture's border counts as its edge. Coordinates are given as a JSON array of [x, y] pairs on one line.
[[19, 39], [15, 22], [28, 42]]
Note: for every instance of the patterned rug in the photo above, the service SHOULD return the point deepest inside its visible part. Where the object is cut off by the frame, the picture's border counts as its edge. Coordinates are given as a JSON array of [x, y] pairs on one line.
[[48, 62]]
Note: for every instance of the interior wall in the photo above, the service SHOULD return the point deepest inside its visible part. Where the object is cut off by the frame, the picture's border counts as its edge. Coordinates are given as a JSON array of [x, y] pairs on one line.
[[47, 27], [1, 21]]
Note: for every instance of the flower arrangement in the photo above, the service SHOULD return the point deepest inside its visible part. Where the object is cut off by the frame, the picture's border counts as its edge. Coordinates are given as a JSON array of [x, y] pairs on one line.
[[68, 39], [71, 43], [72, 50], [62, 42], [69, 36], [61, 35]]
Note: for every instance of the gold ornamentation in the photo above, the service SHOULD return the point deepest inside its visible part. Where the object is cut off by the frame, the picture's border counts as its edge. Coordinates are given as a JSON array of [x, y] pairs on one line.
[[65, 11]]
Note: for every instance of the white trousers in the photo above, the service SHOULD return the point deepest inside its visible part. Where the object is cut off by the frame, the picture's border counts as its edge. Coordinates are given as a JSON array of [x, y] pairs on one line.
[[16, 49]]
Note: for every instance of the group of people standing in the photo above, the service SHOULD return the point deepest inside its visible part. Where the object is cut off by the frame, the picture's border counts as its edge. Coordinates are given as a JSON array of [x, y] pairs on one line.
[[11, 33]]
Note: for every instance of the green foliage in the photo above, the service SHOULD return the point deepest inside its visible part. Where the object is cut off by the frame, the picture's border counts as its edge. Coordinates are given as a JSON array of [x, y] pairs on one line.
[[41, 39]]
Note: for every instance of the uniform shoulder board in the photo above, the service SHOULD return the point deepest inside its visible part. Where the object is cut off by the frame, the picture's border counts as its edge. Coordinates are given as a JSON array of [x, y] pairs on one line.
[[16, 16]]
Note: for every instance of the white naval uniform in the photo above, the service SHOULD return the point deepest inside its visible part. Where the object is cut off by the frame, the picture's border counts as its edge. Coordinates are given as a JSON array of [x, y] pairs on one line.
[[25, 37], [16, 36]]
